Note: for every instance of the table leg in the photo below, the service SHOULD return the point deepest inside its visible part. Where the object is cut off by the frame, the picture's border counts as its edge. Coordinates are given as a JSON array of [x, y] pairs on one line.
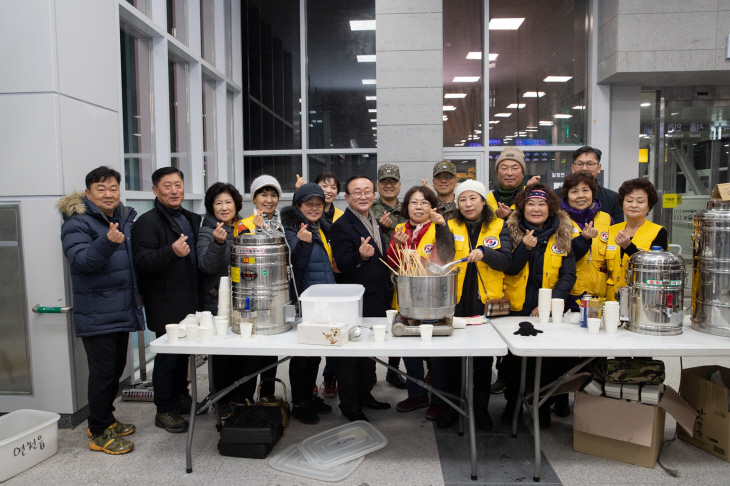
[[211, 389], [462, 395], [191, 426], [536, 418], [520, 396], [470, 410]]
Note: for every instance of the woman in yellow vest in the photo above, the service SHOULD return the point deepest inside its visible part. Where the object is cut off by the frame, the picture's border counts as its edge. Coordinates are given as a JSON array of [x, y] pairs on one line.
[[265, 194], [590, 235], [542, 258], [331, 187], [484, 239], [636, 197]]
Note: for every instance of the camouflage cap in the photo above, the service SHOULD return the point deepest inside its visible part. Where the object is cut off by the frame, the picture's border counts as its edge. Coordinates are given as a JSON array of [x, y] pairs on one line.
[[445, 166], [388, 171]]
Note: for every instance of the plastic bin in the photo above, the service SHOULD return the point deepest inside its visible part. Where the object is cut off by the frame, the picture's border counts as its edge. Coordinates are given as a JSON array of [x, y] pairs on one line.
[[344, 301], [27, 437]]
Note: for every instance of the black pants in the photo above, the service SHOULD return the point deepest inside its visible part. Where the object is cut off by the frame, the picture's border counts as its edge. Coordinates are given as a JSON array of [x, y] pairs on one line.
[[303, 377], [551, 370], [169, 379], [228, 369], [447, 375], [106, 355], [355, 381]]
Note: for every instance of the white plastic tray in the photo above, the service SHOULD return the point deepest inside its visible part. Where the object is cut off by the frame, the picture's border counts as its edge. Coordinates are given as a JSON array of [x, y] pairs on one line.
[[291, 461], [342, 444]]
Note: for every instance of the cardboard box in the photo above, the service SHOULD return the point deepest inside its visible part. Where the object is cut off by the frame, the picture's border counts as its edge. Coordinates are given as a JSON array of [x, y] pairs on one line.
[[323, 334], [711, 431], [626, 431], [721, 192]]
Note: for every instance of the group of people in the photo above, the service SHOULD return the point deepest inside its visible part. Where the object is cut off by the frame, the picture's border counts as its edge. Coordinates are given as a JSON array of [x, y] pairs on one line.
[[519, 238]]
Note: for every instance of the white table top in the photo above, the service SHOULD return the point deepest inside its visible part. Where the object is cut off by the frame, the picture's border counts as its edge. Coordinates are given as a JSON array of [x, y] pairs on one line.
[[572, 340], [480, 340]]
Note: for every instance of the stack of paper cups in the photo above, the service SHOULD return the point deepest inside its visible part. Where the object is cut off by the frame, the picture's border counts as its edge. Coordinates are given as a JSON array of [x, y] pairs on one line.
[[224, 297], [611, 317], [544, 304]]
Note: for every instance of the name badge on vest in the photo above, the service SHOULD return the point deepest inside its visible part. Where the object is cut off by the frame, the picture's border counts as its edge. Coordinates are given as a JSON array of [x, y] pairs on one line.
[[458, 238], [576, 229], [611, 247]]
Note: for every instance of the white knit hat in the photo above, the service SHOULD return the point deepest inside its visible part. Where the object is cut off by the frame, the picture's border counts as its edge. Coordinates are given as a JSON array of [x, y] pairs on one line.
[[263, 181], [470, 185]]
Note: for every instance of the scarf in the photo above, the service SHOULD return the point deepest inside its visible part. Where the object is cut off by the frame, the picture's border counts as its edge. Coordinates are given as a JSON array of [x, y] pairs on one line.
[[329, 215], [581, 216], [505, 196], [544, 233], [274, 216], [417, 227], [371, 224]]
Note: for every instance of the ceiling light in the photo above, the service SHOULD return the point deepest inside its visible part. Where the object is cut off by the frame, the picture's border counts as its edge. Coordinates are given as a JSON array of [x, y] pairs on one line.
[[366, 58], [374, 128], [516, 105], [530, 129], [458, 145], [446, 117], [505, 24], [545, 123], [492, 57], [479, 131], [674, 114], [455, 95], [372, 110], [493, 122], [557, 79], [449, 108], [368, 81], [371, 98], [466, 79], [463, 141], [562, 115], [374, 120], [579, 107], [474, 55], [533, 94], [645, 104], [503, 115], [362, 25]]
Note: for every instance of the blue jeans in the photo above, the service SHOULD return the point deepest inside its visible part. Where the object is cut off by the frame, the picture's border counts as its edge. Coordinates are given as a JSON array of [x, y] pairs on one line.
[[414, 367]]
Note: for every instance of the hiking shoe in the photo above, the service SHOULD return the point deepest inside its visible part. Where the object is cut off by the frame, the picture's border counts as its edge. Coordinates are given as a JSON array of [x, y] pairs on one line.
[[498, 386], [171, 422], [318, 405], [109, 442], [120, 429], [305, 414], [562, 406], [448, 418], [183, 402], [330, 386], [435, 411], [395, 379], [412, 403]]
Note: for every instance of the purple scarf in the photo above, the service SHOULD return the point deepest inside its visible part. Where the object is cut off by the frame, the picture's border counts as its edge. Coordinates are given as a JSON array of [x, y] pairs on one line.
[[581, 216]]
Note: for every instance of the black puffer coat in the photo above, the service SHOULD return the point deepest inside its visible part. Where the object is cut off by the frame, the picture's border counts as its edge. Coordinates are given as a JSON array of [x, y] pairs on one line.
[[310, 260], [214, 259]]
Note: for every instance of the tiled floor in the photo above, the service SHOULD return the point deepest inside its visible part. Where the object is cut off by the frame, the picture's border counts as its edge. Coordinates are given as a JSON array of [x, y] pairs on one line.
[[416, 454]]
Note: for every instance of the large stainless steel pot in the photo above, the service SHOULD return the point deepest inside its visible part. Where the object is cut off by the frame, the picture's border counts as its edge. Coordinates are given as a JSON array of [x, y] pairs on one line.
[[260, 282], [427, 298], [654, 293], [711, 269]]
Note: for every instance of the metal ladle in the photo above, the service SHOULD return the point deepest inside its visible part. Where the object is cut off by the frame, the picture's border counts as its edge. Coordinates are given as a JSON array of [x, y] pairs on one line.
[[356, 331], [443, 270]]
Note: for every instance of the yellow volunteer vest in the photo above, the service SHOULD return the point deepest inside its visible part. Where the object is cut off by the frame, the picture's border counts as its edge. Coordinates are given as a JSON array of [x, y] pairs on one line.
[[515, 286], [425, 249], [590, 278], [244, 226], [326, 245], [492, 201], [615, 263], [489, 237], [338, 213]]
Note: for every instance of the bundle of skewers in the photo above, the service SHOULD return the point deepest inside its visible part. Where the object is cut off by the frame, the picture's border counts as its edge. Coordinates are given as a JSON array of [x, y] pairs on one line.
[[408, 263]]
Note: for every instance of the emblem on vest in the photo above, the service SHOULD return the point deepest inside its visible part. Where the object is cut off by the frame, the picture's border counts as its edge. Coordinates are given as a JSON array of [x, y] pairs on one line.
[[428, 249], [604, 236], [556, 249], [491, 242]]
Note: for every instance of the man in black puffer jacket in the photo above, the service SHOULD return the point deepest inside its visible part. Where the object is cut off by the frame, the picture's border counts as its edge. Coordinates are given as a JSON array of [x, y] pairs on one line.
[[164, 255], [96, 241]]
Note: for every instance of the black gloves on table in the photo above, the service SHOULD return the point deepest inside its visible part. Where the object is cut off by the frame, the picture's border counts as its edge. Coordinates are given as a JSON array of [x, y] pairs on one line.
[[527, 329]]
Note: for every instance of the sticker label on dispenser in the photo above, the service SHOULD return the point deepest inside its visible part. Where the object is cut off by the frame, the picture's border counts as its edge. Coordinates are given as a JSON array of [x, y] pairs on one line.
[[235, 274], [248, 275], [249, 260], [670, 283], [252, 251], [265, 273]]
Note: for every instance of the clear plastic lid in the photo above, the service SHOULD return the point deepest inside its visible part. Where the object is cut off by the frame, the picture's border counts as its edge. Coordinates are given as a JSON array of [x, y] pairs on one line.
[[342, 444], [291, 461]]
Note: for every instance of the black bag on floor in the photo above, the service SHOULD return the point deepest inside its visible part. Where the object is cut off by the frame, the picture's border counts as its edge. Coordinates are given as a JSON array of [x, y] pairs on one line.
[[251, 432]]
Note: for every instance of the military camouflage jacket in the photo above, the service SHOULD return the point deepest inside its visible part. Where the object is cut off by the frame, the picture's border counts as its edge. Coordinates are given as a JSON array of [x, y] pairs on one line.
[[379, 208], [446, 207]]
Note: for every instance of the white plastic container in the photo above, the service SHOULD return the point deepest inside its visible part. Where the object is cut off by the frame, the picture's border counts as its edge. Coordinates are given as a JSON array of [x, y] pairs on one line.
[[291, 460], [27, 438], [344, 302]]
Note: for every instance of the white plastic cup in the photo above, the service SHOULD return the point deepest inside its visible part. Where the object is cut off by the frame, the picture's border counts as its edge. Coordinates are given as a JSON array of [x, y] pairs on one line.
[[205, 333], [390, 315], [192, 333], [426, 332], [379, 333], [557, 306], [192, 317], [206, 318], [189, 322], [174, 332], [544, 305], [594, 325], [246, 329], [225, 284], [221, 327], [611, 324]]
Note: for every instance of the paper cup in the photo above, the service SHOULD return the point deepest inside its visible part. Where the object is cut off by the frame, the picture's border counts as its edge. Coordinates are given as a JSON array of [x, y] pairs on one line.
[[594, 325], [225, 284], [379, 333], [426, 332], [611, 324], [246, 328], [221, 327], [206, 319], [557, 308], [192, 333], [390, 314], [174, 332], [544, 305], [458, 323], [192, 317], [205, 333]]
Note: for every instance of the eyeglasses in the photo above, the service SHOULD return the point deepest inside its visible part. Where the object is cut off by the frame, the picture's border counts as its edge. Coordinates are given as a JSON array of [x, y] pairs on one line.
[[444, 177], [359, 194], [423, 204], [590, 165]]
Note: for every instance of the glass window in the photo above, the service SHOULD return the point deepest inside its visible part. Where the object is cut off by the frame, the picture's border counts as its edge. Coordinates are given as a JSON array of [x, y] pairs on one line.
[[210, 163], [271, 109], [537, 75], [284, 167], [230, 137], [552, 167], [136, 111], [341, 74], [141, 5], [466, 168], [463, 83], [177, 20], [179, 115], [228, 34], [207, 31], [343, 166]]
